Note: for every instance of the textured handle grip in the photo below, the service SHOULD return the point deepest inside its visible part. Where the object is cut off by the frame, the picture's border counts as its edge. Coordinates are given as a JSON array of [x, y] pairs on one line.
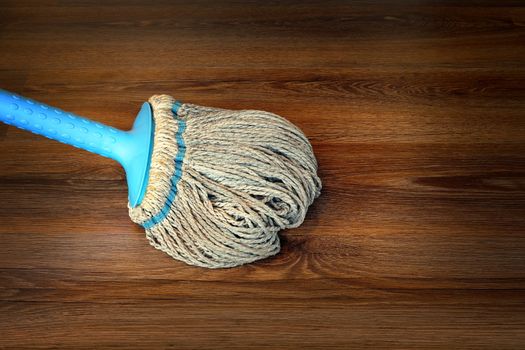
[[59, 125]]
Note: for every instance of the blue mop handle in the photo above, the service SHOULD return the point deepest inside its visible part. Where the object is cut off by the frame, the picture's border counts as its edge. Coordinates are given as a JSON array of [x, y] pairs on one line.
[[62, 126]]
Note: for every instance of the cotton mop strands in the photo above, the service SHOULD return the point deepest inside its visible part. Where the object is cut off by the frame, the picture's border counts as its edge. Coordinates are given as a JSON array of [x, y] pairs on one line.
[[223, 183], [220, 183]]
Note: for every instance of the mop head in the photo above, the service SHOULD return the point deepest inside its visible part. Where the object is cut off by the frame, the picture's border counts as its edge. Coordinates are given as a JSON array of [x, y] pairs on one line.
[[222, 183]]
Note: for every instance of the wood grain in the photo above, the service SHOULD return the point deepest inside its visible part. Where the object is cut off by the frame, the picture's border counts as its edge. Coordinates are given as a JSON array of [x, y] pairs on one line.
[[416, 111]]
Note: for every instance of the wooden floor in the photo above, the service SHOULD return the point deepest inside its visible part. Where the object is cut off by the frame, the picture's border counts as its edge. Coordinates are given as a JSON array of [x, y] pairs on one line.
[[415, 109]]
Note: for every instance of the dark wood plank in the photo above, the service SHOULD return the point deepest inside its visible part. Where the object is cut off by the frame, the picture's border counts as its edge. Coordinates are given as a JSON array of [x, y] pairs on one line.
[[416, 114]]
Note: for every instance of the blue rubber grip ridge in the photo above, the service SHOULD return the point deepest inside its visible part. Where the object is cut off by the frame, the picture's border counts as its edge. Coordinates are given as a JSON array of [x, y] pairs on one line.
[[59, 125]]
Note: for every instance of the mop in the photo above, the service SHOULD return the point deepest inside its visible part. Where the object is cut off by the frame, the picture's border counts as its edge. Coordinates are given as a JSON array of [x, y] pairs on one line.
[[211, 187]]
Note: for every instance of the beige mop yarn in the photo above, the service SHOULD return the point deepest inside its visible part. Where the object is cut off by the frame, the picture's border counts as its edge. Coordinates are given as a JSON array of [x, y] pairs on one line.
[[223, 183]]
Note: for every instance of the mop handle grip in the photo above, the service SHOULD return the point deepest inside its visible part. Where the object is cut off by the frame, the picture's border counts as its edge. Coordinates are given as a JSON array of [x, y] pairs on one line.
[[59, 125]]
